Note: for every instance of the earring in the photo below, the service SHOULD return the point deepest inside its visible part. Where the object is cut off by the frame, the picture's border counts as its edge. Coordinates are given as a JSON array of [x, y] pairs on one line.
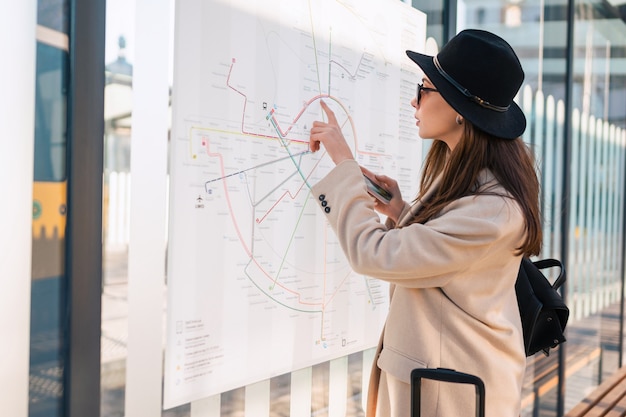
[[459, 120]]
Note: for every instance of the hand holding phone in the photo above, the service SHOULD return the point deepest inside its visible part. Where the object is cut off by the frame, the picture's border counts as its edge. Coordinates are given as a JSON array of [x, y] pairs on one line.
[[377, 191]]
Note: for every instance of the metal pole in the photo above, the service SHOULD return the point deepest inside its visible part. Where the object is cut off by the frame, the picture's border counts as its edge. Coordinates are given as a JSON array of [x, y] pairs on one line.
[[622, 271], [449, 20], [567, 157], [84, 223]]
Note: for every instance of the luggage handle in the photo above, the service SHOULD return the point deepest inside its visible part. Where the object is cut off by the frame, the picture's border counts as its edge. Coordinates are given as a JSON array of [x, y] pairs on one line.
[[445, 375]]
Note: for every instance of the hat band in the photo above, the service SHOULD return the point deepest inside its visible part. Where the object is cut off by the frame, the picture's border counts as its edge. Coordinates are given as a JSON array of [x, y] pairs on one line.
[[465, 91]]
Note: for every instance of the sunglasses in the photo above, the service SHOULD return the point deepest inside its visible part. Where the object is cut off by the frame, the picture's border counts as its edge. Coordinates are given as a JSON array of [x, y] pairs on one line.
[[420, 89]]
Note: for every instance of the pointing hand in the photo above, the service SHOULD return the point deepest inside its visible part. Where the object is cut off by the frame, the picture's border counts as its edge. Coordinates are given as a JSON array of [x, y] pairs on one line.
[[330, 135]]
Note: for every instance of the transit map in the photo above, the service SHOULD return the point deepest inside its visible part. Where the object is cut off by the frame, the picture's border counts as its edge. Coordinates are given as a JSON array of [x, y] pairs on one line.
[[257, 283]]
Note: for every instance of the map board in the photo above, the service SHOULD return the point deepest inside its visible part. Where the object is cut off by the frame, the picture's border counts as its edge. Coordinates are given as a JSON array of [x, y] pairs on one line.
[[257, 283]]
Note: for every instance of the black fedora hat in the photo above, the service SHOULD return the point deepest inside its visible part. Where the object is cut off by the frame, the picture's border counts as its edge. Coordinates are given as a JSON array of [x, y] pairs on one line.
[[478, 74]]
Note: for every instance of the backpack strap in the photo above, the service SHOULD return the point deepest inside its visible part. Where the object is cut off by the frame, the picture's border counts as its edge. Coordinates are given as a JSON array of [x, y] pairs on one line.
[[550, 263]]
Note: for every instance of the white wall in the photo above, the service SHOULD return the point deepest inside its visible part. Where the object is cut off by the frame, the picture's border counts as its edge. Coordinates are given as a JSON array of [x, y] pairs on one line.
[[17, 109]]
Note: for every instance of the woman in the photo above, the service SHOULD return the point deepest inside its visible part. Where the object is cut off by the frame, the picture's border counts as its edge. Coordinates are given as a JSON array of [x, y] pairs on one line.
[[453, 255]]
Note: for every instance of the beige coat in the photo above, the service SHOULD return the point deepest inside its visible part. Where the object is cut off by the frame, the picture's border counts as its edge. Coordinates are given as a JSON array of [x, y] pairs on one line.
[[453, 301]]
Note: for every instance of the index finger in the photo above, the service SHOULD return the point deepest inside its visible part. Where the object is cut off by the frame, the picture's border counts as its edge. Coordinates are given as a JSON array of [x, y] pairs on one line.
[[331, 115]]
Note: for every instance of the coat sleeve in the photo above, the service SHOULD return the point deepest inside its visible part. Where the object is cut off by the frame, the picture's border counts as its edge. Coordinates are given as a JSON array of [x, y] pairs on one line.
[[418, 255]]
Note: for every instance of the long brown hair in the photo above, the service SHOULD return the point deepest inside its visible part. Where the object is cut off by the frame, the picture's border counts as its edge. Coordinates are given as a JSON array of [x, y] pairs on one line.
[[510, 161]]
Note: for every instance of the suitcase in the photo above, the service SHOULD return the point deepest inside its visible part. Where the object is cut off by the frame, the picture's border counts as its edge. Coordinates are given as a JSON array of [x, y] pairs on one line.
[[444, 375]]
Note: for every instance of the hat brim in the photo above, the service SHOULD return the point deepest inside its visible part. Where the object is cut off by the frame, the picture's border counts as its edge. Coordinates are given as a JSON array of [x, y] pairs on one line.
[[509, 124]]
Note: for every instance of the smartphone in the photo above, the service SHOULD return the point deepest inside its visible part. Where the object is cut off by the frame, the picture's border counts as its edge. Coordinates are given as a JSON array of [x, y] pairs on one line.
[[377, 191]]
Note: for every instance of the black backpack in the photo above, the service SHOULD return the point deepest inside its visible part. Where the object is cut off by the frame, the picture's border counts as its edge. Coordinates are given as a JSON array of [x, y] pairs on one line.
[[542, 309]]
